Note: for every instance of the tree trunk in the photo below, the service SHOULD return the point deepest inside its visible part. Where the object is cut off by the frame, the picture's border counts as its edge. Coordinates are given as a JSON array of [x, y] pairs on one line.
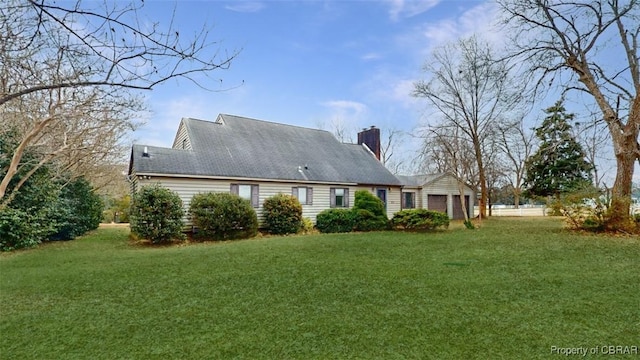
[[17, 156], [516, 198], [627, 152], [462, 202], [482, 204], [625, 145]]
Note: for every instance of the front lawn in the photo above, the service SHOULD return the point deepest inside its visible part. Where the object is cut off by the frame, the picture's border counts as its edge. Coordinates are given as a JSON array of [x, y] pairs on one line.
[[515, 288]]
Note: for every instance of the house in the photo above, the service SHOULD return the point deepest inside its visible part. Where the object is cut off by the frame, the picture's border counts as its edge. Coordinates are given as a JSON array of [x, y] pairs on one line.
[[439, 192], [257, 159]]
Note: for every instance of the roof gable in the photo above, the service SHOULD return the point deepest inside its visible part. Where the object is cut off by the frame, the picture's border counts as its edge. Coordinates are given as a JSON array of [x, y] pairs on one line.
[[424, 180]]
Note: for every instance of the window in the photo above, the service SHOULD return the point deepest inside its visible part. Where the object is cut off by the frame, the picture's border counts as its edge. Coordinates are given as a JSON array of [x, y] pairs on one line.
[[339, 197], [244, 191], [303, 194], [248, 192], [382, 195], [408, 200]]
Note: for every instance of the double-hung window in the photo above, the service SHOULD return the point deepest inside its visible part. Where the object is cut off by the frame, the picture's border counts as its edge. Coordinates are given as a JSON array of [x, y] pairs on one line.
[[303, 194], [248, 192], [339, 197], [409, 200]]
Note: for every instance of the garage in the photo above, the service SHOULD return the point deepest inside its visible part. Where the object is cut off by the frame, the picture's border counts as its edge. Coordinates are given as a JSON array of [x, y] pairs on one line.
[[437, 203], [439, 192], [458, 214]]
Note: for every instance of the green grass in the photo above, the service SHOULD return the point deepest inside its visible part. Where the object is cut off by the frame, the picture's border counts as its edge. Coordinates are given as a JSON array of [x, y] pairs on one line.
[[511, 289]]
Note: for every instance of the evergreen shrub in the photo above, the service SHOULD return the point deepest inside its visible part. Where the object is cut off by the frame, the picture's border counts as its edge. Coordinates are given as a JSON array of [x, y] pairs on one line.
[[222, 216], [307, 226], [78, 210], [19, 230], [368, 212], [419, 220], [282, 214], [156, 215], [365, 220], [335, 221]]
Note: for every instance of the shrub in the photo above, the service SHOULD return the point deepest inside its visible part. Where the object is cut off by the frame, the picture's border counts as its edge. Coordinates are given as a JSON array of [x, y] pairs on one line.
[[368, 212], [365, 220], [307, 226], [282, 214], [27, 219], [335, 221], [469, 225], [78, 210], [419, 220], [220, 216], [20, 230], [156, 214], [367, 201]]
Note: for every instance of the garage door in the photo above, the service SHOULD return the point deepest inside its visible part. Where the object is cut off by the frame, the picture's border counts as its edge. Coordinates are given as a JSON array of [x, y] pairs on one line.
[[457, 207], [437, 203]]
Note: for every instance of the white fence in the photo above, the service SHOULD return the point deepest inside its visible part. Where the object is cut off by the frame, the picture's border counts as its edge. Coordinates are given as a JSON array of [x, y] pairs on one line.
[[531, 210], [510, 210]]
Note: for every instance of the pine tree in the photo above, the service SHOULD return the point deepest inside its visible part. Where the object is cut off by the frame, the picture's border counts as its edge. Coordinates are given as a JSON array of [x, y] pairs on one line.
[[559, 166]]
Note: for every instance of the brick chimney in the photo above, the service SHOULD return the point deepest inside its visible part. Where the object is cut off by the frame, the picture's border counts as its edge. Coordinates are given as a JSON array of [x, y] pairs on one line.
[[371, 138]]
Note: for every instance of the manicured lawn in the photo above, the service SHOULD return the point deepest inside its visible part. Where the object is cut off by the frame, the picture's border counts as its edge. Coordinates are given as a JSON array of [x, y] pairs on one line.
[[512, 289]]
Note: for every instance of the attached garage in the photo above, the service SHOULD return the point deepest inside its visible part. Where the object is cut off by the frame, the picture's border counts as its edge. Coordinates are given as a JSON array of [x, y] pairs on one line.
[[437, 203], [439, 192], [458, 214]]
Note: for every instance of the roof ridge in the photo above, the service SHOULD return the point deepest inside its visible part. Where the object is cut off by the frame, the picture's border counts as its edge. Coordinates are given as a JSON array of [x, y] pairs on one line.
[[274, 123]]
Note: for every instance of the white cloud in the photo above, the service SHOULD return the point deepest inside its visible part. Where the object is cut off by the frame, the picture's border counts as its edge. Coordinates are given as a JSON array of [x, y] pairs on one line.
[[409, 8], [346, 106], [371, 56], [346, 116], [161, 127], [246, 6], [478, 20]]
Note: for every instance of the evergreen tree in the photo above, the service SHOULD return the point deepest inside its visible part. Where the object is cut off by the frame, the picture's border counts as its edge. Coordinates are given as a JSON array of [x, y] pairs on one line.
[[559, 165]]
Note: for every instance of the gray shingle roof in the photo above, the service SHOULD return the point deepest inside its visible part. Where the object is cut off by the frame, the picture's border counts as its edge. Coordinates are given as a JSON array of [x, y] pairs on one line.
[[240, 147], [419, 180]]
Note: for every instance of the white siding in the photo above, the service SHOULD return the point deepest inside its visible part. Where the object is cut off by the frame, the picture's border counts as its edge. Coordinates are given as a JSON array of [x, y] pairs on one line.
[[187, 187], [182, 137], [418, 196]]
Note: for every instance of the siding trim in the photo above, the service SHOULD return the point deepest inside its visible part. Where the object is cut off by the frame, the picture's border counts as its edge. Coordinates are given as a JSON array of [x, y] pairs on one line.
[[232, 178]]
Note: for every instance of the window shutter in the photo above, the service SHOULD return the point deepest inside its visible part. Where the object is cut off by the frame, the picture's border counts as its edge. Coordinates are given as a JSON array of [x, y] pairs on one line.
[[234, 189], [255, 199], [346, 198], [404, 200], [332, 197], [310, 196], [294, 192]]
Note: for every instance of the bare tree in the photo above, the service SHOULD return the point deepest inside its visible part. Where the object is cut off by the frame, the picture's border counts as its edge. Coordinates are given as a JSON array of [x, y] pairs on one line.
[[69, 75], [516, 143], [390, 142], [596, 43], [390, 148], [496, 169], [77, 129], [473, 92], [594, 138]]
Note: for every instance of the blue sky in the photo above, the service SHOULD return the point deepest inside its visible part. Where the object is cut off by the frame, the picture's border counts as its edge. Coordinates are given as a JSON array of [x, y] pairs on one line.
[[319, 64], [312, 63]]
